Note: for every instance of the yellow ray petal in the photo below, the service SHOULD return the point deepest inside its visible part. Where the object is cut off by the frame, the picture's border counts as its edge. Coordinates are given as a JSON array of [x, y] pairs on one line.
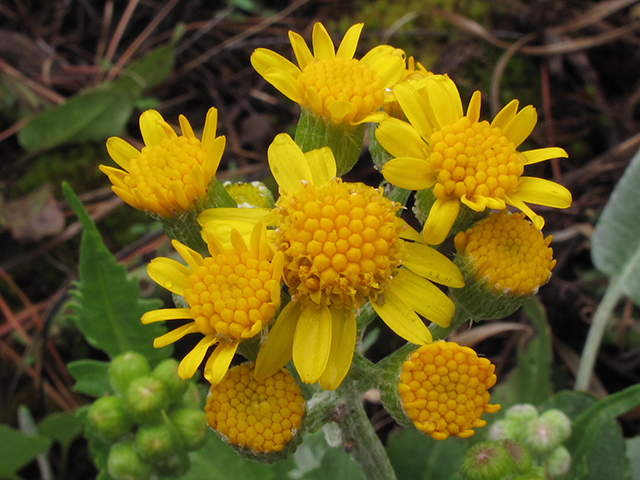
[[431, 264], [263, 60], [537, 220], [440, 220], [165, 314], [400, 318], [473, 111], [300, 49], [287, 163], [423, 296], [322, 164], [347, 48], [542, 192], [193, 258], [504, 116], [276, 351], [210, 129], [169, 274], [409, 173], [218, 363], [407, 231], [289, 86], [180, 196], [542, 154], [185, 127], [121, 152], [400, 139], [322, 44], [151, 128], [127, 197], [116, 175], [476, 203], [415, 108], [389, 68], [248, 215], [214, 246], [341, 111], [193, 359], [312, 343], [238, 242], [444, 99], [214, 155], [343, 342], [175, 335], [521, 126]]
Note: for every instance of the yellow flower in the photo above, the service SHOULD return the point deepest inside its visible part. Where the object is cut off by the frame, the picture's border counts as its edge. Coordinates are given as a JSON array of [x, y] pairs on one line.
[[464, 159], [230, 295], [414, 75], [507, 253], [261, 415], [171, 172], [343, 245], [443, 388], [333, 84]]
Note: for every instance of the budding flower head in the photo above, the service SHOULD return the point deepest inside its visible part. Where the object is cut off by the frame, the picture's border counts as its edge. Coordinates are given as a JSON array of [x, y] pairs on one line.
[[127, 367], [147, 399], [171, 173], [109, 417], [259, 416], [487, 461], [558, 462], [124, 462], [444, 389]]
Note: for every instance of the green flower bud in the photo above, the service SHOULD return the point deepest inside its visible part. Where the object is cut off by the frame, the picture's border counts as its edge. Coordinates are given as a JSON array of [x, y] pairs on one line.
[[167, 373], [191, 425], [125, 368], [155, 442], [559, 421], [109, 417], [191, 398], [146, 399], [504, 429], [487, 461], [124, 463], [174, 465], [521, 456], [558, 462], [522, 413], [541, 436]]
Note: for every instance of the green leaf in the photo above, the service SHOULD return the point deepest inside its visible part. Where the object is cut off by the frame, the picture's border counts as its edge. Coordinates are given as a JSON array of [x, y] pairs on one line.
[[108, 307], [615, 244], [63, 427], [153, 69], [530, 381], [18, 450], [91, 376], [633, 455], [91, 116], [416, 456]]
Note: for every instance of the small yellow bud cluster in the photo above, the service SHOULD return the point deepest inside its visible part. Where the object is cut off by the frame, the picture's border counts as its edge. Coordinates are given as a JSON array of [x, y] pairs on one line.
[[443, 388], [339, 240], [344, 80], [473, 159], [233, 295], [259, 415], [249, 195], [507, 252]]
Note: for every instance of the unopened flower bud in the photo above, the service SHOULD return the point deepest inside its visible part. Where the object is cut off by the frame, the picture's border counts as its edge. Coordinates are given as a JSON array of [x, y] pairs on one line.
[[520, 454], [558, 462], [109, 417], [146, 399], [127, 367], [191, 398], [124, 462], [541, 435], [191, 425], [155, 442], [487, 461], [559, 421], [522, 413], [502, 430], [167, 373]]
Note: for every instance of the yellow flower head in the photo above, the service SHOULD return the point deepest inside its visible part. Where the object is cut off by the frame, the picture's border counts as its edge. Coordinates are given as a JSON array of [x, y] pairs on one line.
[[333, 84], [171, 172], [230, 295], [443, 388], [507, 253], [464, 159], [343, 245], [414, 75], [261, 415]]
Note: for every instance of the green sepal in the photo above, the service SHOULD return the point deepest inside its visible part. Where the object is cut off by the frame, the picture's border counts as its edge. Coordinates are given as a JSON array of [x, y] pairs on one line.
[[124, 462], [167, 372], [147, 399], [344, 140], [388, 384], [191, 424], [109, 418]]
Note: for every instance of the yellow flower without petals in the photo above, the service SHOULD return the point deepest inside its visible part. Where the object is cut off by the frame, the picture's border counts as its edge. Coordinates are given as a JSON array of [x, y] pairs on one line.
[[172, 172], [464, 159], [230, 295], [333, 84]]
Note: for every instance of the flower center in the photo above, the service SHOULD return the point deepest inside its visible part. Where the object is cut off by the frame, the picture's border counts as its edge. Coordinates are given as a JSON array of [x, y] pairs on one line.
[[232, 295], [474, 160], [160, 170], [260, 415], [343, 80], [443, 388], [339, 240], [508, 252]]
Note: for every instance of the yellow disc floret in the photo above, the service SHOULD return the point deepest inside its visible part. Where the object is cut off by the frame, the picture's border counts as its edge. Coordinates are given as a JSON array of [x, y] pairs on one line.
[[232, 295], [343, 80], [259, 415], [507, 252], [474, 160], [340, 242], [443, 388]]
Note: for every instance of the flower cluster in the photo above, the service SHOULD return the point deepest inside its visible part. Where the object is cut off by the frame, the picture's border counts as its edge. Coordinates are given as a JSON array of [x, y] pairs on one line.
[[300, 277]]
